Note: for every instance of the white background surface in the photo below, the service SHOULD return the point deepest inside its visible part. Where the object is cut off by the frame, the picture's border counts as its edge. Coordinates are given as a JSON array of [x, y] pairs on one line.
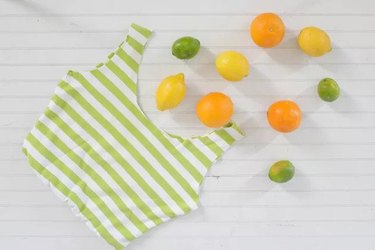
[[330, 204]]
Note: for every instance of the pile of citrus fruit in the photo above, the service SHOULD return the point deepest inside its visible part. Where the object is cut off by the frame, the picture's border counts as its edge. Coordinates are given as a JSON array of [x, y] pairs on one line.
[[215, 109]]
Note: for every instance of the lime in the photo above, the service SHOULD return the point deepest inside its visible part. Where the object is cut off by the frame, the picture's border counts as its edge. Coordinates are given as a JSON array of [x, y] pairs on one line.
[[281, 171], [186, 47], [328, 90]]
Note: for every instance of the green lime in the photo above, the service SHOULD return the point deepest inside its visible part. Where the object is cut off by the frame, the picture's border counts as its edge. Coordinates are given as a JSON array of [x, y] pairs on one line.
[[328, 90], [186, 47], [281, 171]]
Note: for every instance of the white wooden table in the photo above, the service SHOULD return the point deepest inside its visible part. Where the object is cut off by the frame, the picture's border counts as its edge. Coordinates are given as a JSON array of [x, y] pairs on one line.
[[330, 204]]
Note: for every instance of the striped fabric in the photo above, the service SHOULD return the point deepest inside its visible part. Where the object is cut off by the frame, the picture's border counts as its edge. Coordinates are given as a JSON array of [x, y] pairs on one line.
[[97, 150]]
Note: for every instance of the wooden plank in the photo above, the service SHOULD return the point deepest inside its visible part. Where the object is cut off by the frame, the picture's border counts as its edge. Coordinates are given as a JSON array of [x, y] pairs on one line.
[[208, 23], [167, 7]]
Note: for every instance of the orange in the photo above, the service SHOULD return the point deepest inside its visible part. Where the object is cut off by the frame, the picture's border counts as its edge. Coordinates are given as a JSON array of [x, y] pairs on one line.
[[267, 30], [284, 116], [215, 109]]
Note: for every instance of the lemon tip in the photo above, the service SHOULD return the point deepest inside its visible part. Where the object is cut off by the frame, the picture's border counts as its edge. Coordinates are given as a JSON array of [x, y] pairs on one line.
[[181, 76]]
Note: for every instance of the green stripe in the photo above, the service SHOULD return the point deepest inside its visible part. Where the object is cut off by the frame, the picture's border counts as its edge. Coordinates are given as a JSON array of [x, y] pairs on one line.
[[135, 110], [93, 174], [235, 127], [211, 145], [127, 59], [197, 153], [80, 183], [107, 167], [136, 132], [145, 32], [139, 136], [135, 44], [85, 211], [179, 138], [122, 76], [113, 152], [225, 136]]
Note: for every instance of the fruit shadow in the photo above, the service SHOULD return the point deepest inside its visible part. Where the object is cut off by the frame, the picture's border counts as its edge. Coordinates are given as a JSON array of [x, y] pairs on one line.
[[337, 54], [309, 103], [344, 103], [254, 122], [287, 53], [257, 135], [203, 63], [184, 115], [258, 185], [299, 186], [186, 127], [296, 187], [256, 75]]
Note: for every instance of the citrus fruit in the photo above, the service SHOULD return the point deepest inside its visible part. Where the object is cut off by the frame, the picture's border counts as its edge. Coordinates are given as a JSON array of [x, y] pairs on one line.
[[314, 41], [328, 90], [232, 65], [284, 116], [215, 109], [267, 30], [170, 92], [281, 171], [185, 47]]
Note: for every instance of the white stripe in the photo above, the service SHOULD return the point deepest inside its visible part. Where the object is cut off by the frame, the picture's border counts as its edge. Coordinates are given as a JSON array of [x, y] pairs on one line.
[[119, 83], [137, 36], [130, 137], [69, 184], [117, 213], [204, 149], [219, 141], [124, 153], [108, 158], [149, 135], [234, 133], [125, 68], [100, 171], [190, 157], [131, 52]]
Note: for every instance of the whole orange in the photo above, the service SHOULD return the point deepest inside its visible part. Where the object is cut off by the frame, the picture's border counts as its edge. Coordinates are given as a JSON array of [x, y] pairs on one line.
[[284, 116], [215, 109], [267, 30]]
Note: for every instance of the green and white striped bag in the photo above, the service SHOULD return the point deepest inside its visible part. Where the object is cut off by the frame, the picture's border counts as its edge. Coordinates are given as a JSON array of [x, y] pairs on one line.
[[98, 151]]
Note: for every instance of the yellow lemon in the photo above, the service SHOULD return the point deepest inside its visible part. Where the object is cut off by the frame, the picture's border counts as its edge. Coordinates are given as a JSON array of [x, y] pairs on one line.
[[171, 92], [314, 41], [232, 65]]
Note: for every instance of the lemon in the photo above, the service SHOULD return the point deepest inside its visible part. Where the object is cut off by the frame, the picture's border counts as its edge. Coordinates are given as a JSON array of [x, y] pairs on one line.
[[232, 65], [314, 41], [281, 171], [171, 92]]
